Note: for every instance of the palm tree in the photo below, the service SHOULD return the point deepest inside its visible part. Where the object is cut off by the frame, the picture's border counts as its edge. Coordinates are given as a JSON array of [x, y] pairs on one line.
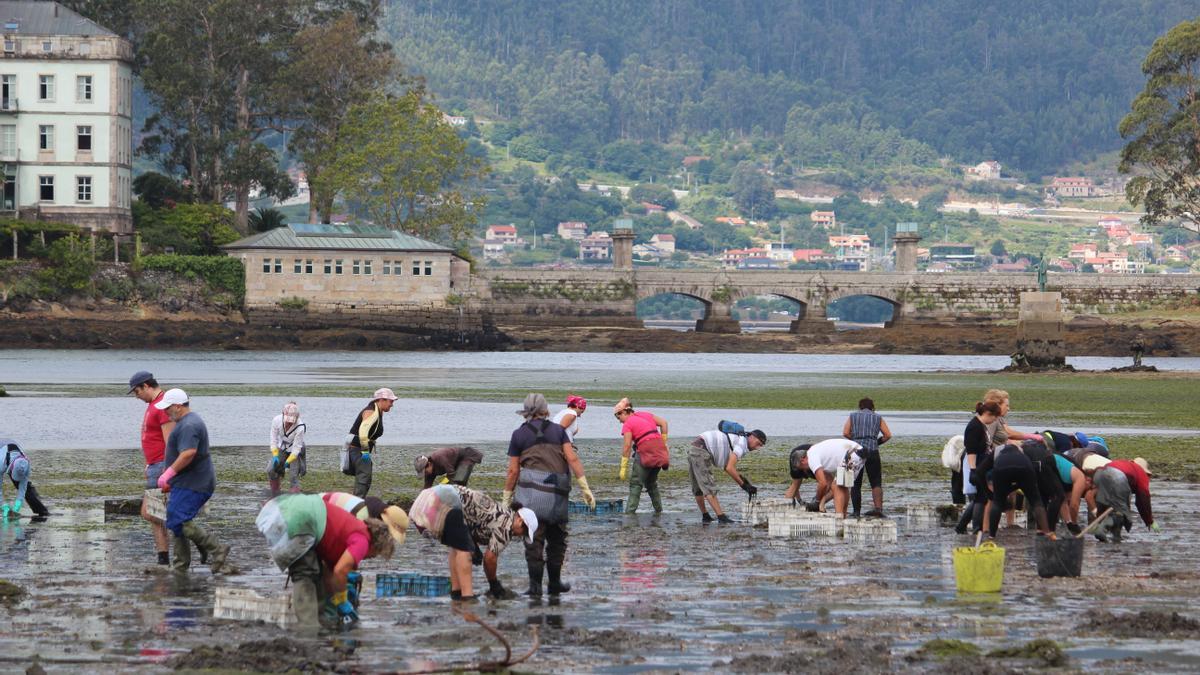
[[262, 220]]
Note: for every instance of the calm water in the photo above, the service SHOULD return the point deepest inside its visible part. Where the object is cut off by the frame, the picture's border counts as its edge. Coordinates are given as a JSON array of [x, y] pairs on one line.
[[90, 420]]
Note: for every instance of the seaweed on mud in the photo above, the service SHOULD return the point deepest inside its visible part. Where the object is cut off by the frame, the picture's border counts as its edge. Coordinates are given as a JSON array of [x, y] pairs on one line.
[[616, 640], [1047, 651], [260, 656], [842, 657], [10, 593], [948, 649], [1141, 624]]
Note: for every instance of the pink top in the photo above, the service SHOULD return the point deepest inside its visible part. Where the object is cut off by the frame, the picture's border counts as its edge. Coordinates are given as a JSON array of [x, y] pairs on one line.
[[641, 425]]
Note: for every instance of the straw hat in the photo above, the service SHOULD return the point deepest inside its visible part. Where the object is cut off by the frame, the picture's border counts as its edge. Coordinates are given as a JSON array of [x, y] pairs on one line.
[[1144, 464], [1092, 462], [397, 521]]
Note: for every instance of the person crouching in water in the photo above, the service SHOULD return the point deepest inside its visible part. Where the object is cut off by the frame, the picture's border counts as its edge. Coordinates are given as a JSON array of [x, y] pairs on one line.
[[319, 545], [712, 449], [464, 520], [826, 462], [645, 442], [1011, 470], [541, 459], [287, 449], [15, 465], [1114, 483], [191, 480], [456, 464]]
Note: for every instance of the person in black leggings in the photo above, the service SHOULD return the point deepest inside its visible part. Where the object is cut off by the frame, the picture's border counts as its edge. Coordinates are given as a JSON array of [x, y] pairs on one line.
[[1012, 470], [977, 449], [1049, 483]]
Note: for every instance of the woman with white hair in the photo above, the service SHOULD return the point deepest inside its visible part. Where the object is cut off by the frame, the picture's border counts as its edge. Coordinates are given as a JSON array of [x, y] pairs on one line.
[[287, 449], [541, 460]]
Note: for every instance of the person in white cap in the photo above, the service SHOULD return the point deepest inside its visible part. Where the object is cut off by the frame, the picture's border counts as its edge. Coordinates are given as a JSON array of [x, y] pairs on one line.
[[1115, 482], [367, 428], [465, 520], [287, 449], [191, 480]]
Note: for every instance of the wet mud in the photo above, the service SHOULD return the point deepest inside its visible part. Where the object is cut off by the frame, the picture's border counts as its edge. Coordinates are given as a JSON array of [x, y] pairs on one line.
[[651, 593]]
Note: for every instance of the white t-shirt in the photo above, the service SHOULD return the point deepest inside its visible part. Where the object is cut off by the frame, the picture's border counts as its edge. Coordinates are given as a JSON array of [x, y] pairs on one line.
[[293, 441], [571, 430], [721, 444], [828, 455]]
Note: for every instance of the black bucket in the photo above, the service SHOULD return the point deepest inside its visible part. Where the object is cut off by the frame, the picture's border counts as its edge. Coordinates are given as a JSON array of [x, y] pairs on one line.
[[1059, 558]]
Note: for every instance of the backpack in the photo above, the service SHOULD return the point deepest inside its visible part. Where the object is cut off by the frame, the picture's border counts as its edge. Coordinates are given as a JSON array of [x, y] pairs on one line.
[[952, 453], [729, 427]]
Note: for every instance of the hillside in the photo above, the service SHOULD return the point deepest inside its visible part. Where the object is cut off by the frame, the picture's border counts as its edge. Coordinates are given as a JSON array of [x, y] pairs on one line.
[[1034, 85]]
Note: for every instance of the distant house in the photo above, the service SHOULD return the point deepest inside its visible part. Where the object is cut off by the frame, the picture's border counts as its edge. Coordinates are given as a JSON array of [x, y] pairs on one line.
[[1083, 251], [1142, 240], [455, 120], [757, 263], [952, 253], [651, 207], [939, 267], [1109, 221], [646, 251], [1127, 266], [732, 257], [596, 246], [1072, 186], [1021, 265], [780, 252], [810, 255], [493, 249], [1176, 254], [506, 234], [1063, 264], [989, 170], [825, 219], [572, 229], [663, 242], [732, 220], [851, 246]]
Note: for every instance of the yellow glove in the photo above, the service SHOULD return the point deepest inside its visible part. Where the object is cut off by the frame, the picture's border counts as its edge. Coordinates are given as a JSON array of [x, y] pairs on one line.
[[444, 480], [292, 458], [274, 451], [624, 474], [588, 497], [339, 598], [506, 498]]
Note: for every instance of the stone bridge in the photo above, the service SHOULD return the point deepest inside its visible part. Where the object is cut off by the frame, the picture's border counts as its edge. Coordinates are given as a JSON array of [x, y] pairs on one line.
[[607, 297]]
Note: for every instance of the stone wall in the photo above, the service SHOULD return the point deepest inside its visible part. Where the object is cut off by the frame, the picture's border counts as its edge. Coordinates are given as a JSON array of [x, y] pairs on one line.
[[449, 325], [550, 297]]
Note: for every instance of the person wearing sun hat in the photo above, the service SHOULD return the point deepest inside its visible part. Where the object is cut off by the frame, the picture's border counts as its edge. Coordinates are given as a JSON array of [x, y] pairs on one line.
[[367, 428], [288, 456], [1114, 483]]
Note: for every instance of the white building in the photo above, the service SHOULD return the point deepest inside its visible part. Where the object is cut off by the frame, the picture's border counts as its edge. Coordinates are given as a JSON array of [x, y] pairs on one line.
[[66, 110]]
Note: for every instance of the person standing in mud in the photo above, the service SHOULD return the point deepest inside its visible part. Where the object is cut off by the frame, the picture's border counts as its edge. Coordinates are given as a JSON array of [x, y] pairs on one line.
[[367, 428], [287, 449], [321, 545], [1012, 469], [713, 449], [977, 446], [191, 480], [456, 464], [867, 428], [156, 428], [645, 443], [541, 460]]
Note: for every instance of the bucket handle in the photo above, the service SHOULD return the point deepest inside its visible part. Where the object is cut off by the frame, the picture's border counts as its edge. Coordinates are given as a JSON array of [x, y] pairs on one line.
[[1099, 519]]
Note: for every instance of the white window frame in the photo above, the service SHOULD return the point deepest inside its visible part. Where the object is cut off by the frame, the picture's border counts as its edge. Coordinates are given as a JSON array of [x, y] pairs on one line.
[[279, 266], [47, 46], [83, 183], [366, 266], [46, 85], [328, 265], [8, 146], [428, 268], [296, 266], [43, 182], [45, 138], [387, 267], [266, 265], [308, 265], [84, 92], [79, 136], [354, 266]]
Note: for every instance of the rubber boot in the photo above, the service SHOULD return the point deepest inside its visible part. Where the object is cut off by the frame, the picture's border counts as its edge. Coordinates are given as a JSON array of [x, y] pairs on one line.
[[556, 585], [305, 604], [655, 497], [535, 581], [182, 559], [206, 542], [635, 491]]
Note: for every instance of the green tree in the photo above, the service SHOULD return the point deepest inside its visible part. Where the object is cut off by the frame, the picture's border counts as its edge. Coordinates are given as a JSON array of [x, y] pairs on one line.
[[654, 193], [158, 190], [71, 265], [1163, 131], [998, 249], [570, 249], [752, 192], [262, 220], [188, 229], [406, 168]]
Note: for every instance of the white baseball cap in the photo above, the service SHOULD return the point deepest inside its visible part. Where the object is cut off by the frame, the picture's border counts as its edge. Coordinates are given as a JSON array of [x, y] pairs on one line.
[[384, 393], [531, 524], [172, 397]]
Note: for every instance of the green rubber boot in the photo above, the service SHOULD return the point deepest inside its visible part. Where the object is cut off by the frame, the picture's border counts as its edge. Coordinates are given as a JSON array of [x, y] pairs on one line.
[[182, 560]]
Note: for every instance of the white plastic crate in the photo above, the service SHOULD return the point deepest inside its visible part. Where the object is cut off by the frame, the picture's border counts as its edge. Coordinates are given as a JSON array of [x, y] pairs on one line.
[[804, 525], [244, 604], [923, 515], [871, 531], [759, 511], [156, 503]]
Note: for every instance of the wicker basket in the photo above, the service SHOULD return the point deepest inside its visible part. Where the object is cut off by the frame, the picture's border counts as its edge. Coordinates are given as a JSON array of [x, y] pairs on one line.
[[244, 604]]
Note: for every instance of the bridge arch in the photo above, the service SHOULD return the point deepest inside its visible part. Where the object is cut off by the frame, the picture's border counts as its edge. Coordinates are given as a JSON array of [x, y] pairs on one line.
[[863, 308], [660, 308]]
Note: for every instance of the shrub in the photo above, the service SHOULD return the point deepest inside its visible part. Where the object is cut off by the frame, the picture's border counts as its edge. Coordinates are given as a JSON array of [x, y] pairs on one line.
[[294, 302], [190, 229], [221, 273], [71, 265]]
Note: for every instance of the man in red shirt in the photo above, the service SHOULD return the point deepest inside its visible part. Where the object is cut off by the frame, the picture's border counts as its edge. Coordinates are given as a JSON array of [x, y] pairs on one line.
[[156, 428], [1114, 483]]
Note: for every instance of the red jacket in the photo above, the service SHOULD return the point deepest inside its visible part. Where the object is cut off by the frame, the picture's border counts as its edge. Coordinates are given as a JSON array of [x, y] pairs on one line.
[[1139, 482]]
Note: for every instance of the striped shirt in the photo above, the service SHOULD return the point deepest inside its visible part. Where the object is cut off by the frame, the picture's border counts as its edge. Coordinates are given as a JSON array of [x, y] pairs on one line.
[[864, 429]]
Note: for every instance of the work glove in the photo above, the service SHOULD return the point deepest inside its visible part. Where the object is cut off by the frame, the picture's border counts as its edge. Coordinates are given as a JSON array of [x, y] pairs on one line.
[[366, 456], [624, 473], [16, 509], [498, 591], [1074, 528], [588, 497], [164, 481], [444, 481], [4, 512], [1156, 527], [812, 507], [506, 498], [347, 616], [275, 452], [353, 587], [290, 459], [477, 557], [749, 487]]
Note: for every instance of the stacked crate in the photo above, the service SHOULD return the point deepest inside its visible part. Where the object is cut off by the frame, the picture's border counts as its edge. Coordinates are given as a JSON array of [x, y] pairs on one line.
[[871, 531], [804, 525], [156, 503], [605, 506], [421, 585], [923, 516], [244, 604], [757, 512]]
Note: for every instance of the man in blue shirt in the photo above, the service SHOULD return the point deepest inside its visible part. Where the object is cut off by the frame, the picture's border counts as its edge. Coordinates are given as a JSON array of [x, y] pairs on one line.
[[191, 481]]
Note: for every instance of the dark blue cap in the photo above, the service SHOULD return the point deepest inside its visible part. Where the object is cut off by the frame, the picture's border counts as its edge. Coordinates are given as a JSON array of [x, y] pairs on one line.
[[139, 378]]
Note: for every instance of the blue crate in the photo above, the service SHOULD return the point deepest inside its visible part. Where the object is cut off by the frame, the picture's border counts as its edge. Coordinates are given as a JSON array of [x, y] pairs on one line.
[[602, 506], [422, 585]]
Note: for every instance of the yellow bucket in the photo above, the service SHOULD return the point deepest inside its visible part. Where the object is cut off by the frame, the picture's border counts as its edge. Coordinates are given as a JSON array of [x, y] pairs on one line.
[[979, 570]]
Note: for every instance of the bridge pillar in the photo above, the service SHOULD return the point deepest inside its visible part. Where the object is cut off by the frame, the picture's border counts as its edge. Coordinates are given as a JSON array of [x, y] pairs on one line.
[[906, 247], [811, 320], [718, 318], [622, 248]]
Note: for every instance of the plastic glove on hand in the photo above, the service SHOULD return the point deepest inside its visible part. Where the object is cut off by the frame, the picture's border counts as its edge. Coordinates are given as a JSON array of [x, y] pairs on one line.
[[4, 512], [290, 459], [164, 481], [16, 509], [353, 587], [749, 487], [366, 456], [274, 451], [624, 473], [444, 481], [1155, 527], [477, 557], [588, 497], [506, 498], [498, 591], [812, 507], [347, 616]]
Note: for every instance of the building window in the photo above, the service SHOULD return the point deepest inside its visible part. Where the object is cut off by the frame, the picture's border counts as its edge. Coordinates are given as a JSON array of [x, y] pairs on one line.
[[387, 267], [8, 140], [308, 264], [47, 46], [416, 267], [46, 185], [83, 138], [83, 88], [337, 266], [83, 188], [45, 137], [366, 267], [10, 46], [279, 266], [354, 267], [266, 265], [296, 266], [46, 87], [428, 268], [328, 266]]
